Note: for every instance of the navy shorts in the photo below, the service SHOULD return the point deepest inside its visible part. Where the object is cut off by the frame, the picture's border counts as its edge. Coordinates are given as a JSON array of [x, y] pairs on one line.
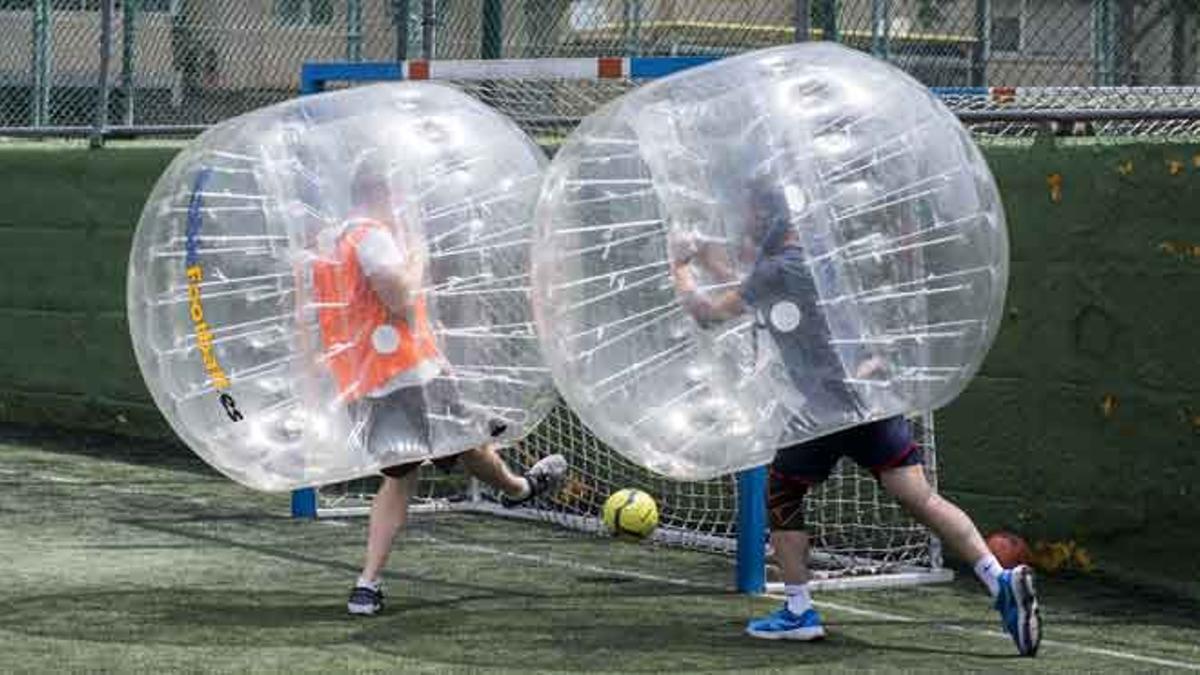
[[875, 446]]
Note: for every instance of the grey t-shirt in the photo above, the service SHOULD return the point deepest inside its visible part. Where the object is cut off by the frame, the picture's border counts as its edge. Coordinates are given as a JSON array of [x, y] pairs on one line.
[[783, 294]]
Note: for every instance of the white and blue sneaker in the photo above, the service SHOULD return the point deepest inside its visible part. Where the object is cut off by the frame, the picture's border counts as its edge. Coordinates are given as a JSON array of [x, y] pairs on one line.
[[1018, 607], [784, 625]]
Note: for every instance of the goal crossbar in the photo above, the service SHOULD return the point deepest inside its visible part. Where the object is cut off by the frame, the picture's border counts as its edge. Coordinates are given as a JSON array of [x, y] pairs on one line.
[[315, 76]]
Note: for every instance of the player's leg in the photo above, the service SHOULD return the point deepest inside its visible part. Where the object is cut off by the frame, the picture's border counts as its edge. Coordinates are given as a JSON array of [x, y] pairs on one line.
[[543, 478], [394, 425], [791, 552], [956, 530], [1013, 589], [794, 470], [886, 448], [389, 513]]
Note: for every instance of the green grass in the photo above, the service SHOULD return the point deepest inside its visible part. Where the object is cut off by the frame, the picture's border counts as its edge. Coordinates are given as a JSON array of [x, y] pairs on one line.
[[122, 557]]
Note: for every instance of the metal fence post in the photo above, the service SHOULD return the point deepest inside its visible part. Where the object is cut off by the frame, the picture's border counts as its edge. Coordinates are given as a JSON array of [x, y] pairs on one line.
[[42, 55], [354, 30], [400, 19], [428, 29], [106, 42], [1183, 28], [128, 52], [981, 51], [632, 26], [829, 21], [802, 20], [1103, 55], [493, 29], [880, 20]]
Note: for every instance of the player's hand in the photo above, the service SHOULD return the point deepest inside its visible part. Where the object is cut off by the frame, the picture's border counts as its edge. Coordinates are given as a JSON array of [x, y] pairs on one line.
[[682, 245], [870, 368]]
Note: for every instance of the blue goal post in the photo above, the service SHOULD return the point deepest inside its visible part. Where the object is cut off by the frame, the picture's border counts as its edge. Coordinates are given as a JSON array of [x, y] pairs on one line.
[[316, 76]]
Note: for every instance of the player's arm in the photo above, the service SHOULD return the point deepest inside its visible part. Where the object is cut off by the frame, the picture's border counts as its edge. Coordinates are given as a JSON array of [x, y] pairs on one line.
[[393, 288], [704, 307], [707, 254], [714, 259], [416, 261], [391, 274]]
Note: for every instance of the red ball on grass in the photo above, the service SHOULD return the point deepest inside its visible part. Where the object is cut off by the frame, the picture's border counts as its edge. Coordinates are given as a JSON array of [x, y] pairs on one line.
[[1008, 548]]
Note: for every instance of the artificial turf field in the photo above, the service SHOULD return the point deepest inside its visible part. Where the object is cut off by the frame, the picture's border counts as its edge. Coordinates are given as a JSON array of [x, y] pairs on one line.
[[128, 556]]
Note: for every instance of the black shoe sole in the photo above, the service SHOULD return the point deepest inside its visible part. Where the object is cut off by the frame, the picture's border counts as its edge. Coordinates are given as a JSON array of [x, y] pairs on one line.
[[1032, 627]]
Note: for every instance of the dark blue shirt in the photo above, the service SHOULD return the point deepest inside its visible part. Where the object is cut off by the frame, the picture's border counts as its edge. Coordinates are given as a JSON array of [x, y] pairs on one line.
[[783, 294]]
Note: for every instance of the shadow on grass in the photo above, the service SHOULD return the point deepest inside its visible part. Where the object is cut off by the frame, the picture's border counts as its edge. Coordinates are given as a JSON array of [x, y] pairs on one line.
[[291, 555], [1100, 599], [1105, 599], [627, 634], [162, 454], [460, 614], [646, 632]]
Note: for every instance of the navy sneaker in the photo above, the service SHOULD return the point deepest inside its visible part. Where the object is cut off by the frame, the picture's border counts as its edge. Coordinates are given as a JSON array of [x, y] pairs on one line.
[[545, 479], [365, 601], [784, 625], [1018, 607]]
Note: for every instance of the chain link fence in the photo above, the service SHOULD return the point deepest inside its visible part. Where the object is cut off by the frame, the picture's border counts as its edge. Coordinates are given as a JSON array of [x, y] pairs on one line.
[[177, 65]]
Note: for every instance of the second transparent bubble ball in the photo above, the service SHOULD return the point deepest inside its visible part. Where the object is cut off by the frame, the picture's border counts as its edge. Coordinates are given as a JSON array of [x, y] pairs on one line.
[[763, 251]]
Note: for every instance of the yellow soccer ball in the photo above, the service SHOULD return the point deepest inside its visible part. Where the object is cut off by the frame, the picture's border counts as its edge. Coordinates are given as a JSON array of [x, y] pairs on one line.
[[630, 513]]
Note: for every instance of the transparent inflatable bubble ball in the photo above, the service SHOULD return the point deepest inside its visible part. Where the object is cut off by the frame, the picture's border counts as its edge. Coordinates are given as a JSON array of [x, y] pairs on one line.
[[340, 283], [762, 251]]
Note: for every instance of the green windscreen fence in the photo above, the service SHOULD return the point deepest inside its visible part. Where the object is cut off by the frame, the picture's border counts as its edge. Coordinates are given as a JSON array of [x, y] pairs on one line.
[[67, 216], [1084, 421]]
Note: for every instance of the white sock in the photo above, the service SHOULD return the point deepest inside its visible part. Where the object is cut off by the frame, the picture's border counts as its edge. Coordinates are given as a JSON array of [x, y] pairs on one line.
[[364, 583], [526, 488], [798, 599], [988, 570]]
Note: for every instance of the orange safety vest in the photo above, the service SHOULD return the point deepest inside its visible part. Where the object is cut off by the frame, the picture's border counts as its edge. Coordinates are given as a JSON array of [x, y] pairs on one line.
[[364, 345]]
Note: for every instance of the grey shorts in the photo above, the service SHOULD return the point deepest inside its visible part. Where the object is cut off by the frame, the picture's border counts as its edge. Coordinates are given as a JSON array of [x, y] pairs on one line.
[[399, 425], [395, 424]]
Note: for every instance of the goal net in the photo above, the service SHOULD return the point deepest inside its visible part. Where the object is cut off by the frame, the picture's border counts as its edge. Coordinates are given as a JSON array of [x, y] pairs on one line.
[[860, 535]]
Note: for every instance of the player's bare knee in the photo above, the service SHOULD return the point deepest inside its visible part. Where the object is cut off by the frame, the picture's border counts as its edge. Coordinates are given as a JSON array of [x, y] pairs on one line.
[[922, 503], [788, 537]]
